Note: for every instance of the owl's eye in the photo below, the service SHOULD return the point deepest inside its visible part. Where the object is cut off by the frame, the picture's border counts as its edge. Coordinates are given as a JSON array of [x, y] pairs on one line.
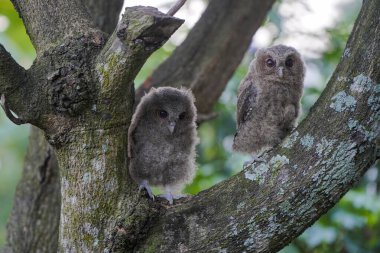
[[270, 63], [162, 114], [289, 63], [182, 115]]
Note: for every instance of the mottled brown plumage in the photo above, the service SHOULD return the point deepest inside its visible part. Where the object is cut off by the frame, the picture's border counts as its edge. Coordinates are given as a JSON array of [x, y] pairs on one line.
[[269, 99], [162, 139]]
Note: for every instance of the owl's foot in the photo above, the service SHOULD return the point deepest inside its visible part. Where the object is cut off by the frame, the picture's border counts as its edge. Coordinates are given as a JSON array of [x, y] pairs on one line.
[[255, 158], [144, 185], [168, 196]]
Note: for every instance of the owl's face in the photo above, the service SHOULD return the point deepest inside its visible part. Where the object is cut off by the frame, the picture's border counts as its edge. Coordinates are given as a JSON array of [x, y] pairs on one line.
[[172, 110], [279, 63]]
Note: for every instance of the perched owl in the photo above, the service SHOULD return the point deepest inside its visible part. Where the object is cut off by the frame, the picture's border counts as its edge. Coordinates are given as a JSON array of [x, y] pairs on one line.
[[269, 99], [162, 138]]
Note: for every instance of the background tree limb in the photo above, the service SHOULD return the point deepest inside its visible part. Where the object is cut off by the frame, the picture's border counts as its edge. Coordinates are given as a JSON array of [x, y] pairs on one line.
[[213, 49], [46, 26], [33, 224]]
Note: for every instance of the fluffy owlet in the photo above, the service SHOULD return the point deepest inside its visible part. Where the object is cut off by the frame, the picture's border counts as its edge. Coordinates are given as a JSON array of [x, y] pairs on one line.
[[162, 139], [269, 99]]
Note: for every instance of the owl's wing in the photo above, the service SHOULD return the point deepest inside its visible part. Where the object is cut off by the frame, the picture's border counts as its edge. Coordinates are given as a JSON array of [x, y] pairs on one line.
[[246, 100], [131, 130]]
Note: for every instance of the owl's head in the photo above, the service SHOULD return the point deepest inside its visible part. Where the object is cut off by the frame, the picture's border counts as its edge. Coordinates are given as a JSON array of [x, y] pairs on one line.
[[172, 110], [279, 63]]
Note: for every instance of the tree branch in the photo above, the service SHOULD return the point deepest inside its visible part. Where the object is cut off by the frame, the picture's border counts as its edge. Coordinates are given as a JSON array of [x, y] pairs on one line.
[[95, 186], [38, 193], [206, 60], [33, 224], [141, 31], [48, 22], [105, 13], [8, 112], [173, 10], [267, 205], [12, 75], [13, 79]]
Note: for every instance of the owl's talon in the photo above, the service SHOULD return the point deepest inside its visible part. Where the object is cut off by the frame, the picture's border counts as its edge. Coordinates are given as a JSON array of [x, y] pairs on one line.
[[144, 185], [180, 196], [168, 196], [255, 158]]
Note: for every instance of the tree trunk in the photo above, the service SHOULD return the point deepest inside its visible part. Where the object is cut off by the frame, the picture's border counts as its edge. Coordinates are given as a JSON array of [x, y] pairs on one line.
[[38, 194], [80, 92], [33, 224]]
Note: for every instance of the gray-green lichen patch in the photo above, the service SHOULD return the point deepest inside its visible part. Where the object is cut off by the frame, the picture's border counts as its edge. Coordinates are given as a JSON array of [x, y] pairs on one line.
[[241, 205], [233, 227], [290, 140], [342, 102], [352, 124], [117, 46], [356, 126], [343, 79], [337, 168], [249, 243], [97, 165], [86, 178], [325, 146], [105, 146], [257, 173], [346, 53], [278, 161], [361, 83], [307, 141], [374, 101]]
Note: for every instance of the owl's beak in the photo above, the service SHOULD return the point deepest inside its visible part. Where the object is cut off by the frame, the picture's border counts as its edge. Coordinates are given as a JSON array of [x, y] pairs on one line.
[[281, 72], [171, 126]]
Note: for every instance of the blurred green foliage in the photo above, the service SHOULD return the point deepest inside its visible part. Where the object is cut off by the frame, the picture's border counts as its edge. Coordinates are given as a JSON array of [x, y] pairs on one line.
[[13, 139], [352, 226]]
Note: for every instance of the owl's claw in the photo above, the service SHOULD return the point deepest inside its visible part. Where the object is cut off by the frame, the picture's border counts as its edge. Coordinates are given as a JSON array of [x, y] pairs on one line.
[[255, 158], [168, 196], [144, 185]]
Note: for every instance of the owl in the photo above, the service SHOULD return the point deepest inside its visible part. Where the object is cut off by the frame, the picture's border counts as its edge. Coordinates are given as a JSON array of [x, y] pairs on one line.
[[269, 99], [161, 141]]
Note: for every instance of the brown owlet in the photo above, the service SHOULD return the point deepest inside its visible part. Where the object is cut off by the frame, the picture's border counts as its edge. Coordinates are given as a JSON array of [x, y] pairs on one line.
[[162, 139], [269, 99]]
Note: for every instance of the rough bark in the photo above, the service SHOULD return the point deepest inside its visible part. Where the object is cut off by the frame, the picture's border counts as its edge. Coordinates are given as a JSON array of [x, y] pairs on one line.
[[105, 13], [213, 49], [35, 198], [99, 11], [42, 18], [261, 209], [268, 204], [84, 88]]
